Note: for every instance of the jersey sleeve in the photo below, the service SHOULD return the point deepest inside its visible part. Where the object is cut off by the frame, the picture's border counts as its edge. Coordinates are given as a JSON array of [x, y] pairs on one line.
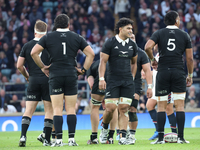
[[106, 47], [42, 41], [135, 48], [22, 53], [188, 41], [83, 43], [92, 70], [144, 59], [155, 36]]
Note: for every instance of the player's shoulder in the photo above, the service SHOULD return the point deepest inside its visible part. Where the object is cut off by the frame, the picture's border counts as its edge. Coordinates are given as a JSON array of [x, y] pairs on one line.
[[29, 43]]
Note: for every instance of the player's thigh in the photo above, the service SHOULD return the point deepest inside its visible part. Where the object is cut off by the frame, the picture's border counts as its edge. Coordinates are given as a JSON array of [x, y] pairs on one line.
[[112, 90], [126, 92], [70, 103], [178, 84], [162, 83]]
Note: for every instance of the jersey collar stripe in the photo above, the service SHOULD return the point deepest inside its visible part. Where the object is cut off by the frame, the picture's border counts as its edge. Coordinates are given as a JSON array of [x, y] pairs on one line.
[[120, 40], [172, 27], [62, 30], [36, 39]]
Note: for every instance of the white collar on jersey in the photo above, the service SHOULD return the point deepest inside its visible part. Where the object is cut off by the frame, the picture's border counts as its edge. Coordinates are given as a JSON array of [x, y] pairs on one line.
[[172, 27], [121, 41], [62, 30], [36, 39]]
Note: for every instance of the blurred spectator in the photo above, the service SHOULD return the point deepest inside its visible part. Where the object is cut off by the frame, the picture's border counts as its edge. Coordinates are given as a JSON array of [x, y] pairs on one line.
[[39, 8], [189, 4], [24, 21], [47, 5], [177, 4], [4, 64], [3, 14], [194, 35], [3, 98], [122, 8], [3, 22], [3, 38], [193, 24], [16, 102], [81, 104], [142, 103], [159, 21], [95, 32], [96, 47], [155, 6], [9, 54], [85, 4], [34, 15], [192, 94], [16, 75], [14, 21], [145, 10], [196, 72], [144, 22], [94, 8], [190, 14], [108, 18], [165, 7], [5, 80], [23, 106], [196, 54], [8, 109], [181, 15], [191, 104]]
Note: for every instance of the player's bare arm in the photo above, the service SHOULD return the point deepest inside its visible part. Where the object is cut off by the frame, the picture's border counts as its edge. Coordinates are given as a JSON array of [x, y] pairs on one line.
[[37, 49], [148, 49], [88, 60], [90, 80], [21, 67], [134, 65], [189, 59], [147, 70], [102, 68]]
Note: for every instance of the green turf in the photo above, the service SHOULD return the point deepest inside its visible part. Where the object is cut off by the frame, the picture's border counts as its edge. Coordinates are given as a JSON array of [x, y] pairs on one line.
[[9, 140]]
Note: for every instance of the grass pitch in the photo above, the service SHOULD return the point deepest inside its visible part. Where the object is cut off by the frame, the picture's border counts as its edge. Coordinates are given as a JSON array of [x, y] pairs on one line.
[[9, 141]]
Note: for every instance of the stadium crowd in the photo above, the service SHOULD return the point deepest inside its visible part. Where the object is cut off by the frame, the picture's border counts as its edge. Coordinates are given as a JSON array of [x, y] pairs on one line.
[[94, 20]]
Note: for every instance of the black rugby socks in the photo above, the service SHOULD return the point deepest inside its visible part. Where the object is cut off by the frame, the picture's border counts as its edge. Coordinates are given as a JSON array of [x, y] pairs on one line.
[[58, 122], [25, 124], [71, 122]]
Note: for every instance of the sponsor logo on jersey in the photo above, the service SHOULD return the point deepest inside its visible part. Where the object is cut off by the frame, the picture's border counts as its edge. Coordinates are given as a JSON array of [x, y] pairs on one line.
[[116, 47], [130, 47], [123, 54], [107, 93], [172, 31], [162, 92], [63, 35], [31, 96], [57, 90]]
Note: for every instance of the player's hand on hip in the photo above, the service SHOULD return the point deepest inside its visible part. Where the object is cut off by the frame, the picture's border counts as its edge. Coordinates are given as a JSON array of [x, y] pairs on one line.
[[149, 93], [189, 81], [79, 72], [102, 85], [45, 70], [154, 64]]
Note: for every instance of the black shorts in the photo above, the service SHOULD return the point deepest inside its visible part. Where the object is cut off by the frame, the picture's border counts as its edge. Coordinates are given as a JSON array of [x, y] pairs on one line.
[[63, 84], [117, 89], [138, 88], [38, 89], [95, 89], [171, 80]]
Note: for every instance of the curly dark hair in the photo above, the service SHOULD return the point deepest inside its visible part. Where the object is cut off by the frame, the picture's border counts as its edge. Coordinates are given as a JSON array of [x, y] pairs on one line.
[[61, 21], [121, 23], [170, 18]]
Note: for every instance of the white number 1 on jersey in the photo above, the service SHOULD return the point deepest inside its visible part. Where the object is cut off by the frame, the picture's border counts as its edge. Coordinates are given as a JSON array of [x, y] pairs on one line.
[[64, 48]]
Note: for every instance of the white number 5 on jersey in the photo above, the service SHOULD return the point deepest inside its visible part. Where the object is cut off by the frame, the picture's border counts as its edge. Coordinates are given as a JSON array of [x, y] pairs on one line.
[[170, 42]]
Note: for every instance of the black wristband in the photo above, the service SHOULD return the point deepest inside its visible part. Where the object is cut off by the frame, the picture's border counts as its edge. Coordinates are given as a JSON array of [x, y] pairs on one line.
[[83, 70]]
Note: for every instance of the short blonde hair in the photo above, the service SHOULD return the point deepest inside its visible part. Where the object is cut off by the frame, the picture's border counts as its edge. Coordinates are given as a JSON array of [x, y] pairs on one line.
[[40, 26]]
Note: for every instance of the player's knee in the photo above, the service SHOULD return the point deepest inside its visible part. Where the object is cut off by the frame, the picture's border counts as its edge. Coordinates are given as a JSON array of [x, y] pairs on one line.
[[123, 111], [132, 116], [96, 102]]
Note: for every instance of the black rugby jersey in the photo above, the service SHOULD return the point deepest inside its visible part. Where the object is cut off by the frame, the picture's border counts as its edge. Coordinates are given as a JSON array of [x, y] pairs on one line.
[[172, 43], [120, 56], [34, 70], [63, 46], [141, 60], [94, 71]]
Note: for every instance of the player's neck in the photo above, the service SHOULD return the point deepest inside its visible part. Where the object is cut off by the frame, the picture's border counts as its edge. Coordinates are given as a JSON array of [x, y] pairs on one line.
[[122, 37]]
